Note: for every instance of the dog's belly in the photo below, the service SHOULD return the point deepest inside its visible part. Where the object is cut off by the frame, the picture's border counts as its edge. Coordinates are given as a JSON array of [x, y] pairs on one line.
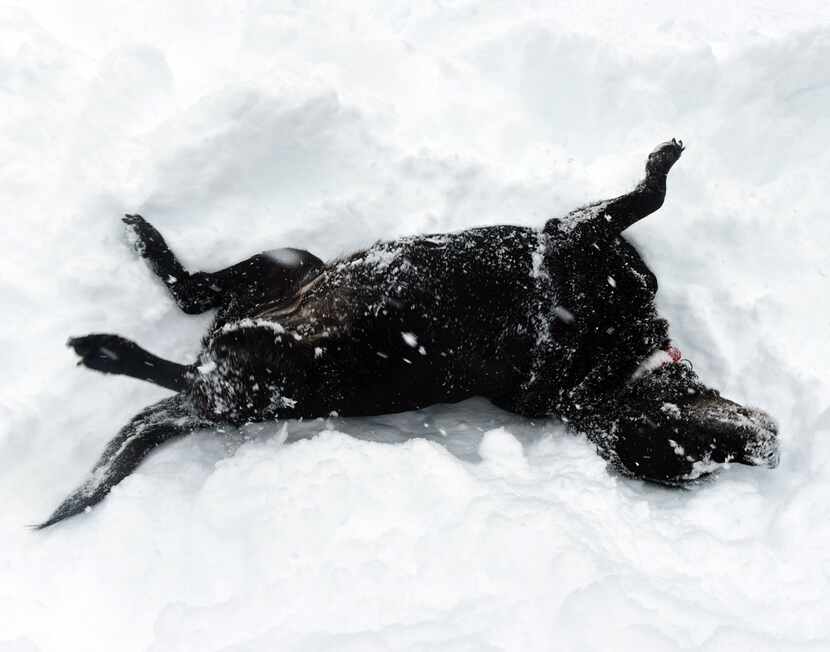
[[422, 320], [399, 326]]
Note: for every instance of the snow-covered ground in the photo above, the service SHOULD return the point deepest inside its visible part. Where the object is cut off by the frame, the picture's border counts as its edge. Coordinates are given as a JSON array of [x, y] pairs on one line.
[[240, 126]]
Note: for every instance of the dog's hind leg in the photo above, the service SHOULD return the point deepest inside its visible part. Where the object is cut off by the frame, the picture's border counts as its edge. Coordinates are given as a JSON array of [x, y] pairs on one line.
[[265, 276], [113, 354], [193, 293], [153, 426], [607, 219]]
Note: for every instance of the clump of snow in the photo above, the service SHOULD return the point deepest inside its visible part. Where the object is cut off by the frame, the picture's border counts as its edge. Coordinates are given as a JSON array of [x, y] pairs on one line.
[[671, 409], [564, 314], [238, 129], [537, 270], [654, 361], [500, 447], [247, 322], [207, 367], [285, 257]]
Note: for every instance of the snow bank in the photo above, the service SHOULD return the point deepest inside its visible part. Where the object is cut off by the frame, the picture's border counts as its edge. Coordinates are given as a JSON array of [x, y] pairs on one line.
[[241, 127]]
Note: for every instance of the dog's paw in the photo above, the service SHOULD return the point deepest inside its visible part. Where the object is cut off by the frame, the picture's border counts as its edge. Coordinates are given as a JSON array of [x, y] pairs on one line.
[[671, 148], [133, 220], [142, 236], [664, 156], [101, 352]]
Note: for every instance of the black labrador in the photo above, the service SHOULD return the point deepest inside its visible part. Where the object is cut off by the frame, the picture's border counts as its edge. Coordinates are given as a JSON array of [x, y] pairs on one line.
[[553, 322]]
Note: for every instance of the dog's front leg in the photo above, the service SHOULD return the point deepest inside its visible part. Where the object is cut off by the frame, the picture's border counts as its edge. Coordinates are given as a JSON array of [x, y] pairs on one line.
[[607, 219]]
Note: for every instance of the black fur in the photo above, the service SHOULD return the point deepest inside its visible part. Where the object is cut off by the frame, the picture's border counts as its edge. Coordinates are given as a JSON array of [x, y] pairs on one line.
[[553, 322]]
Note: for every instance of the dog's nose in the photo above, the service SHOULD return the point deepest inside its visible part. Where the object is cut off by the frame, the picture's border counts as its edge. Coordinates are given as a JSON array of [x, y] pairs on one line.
[[762, 445], [741, 434]]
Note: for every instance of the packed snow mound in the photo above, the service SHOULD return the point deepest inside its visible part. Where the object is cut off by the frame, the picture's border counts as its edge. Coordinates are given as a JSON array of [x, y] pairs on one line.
[[240, 128]]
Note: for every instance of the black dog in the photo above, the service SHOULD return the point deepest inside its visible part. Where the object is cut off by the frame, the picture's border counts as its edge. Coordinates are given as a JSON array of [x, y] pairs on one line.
[[553, 322]]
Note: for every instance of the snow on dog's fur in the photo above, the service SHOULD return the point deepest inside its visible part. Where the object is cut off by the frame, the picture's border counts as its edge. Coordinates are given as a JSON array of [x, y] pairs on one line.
[[559, 322]]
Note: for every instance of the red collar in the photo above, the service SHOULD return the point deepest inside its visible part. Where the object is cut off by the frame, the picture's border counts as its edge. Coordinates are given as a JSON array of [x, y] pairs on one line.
[[674, 353]]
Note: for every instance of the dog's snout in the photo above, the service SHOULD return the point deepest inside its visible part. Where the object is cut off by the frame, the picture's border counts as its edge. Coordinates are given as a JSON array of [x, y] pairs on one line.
[[746, 435], [762, 445]]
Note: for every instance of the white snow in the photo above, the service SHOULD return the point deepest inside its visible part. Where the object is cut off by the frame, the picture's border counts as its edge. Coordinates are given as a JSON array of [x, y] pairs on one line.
[[238, 128], [656, 360], [564, 314]]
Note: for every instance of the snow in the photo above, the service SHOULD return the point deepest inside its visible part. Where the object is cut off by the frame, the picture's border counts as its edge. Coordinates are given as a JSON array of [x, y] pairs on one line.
[[245, 127], [652, 362]]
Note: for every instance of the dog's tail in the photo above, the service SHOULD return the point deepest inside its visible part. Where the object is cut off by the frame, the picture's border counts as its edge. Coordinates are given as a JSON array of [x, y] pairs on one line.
[[153, 426]]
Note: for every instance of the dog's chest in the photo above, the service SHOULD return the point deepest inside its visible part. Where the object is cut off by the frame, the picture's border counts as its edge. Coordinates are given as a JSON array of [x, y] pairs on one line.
[[593, 314]]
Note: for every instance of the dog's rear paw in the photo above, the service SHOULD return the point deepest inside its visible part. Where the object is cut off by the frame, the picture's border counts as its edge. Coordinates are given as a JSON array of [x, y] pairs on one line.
[[102, 352], [142, 235]]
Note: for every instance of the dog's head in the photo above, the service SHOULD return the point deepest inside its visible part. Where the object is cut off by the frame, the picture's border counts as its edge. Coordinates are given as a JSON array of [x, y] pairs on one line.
[[664, 425]]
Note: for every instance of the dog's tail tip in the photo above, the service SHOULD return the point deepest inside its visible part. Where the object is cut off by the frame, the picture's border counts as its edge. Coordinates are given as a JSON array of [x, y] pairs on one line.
[[70, 507], [37, 527]]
